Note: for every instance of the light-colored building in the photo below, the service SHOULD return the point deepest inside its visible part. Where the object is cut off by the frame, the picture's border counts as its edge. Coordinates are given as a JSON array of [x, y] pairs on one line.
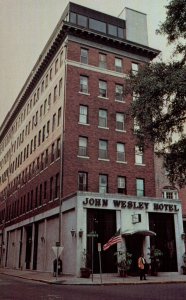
[[69, 163]]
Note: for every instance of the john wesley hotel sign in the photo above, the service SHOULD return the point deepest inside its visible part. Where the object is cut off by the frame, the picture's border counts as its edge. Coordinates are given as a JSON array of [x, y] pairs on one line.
[[128, 204]]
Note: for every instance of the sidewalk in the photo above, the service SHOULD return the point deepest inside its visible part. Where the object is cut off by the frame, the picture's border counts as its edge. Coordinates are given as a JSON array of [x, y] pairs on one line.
[[107, 279]]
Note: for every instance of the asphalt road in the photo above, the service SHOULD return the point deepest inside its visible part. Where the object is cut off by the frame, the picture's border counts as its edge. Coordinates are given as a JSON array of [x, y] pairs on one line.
[[12, 288]]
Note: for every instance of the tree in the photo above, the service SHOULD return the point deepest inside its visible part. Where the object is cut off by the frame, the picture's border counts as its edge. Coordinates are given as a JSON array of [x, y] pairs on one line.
[[160, 103]]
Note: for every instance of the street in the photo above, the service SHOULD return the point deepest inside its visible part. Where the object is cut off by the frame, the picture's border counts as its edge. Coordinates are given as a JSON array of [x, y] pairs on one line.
[[12, 288]]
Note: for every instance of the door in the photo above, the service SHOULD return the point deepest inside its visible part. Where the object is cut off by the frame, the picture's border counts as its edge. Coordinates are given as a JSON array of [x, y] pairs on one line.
[[28, 246], [163, 225], [103, 222], [134, 245]]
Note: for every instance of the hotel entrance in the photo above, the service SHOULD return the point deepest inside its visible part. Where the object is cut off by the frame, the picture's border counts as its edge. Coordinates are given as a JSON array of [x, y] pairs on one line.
[[134, 245], [102, 222], [163, 225]]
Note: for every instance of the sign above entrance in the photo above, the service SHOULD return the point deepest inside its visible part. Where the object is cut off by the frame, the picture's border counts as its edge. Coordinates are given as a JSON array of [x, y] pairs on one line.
[[128, 204]]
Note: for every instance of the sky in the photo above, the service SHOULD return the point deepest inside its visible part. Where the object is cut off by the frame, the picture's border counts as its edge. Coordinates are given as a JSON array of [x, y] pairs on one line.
[[26, 25]]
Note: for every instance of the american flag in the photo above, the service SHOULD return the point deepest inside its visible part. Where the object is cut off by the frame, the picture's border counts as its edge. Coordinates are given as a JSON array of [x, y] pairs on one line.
[[113, 240]]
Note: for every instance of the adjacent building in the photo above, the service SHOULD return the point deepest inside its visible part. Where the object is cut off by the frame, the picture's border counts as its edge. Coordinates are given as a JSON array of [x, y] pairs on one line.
[[71, 173]]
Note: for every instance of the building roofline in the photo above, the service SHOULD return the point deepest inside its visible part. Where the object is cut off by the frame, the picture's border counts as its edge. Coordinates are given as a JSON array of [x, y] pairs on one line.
[[61, 30]]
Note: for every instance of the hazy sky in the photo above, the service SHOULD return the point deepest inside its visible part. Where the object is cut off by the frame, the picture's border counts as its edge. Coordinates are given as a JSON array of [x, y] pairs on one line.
[[26, 25]]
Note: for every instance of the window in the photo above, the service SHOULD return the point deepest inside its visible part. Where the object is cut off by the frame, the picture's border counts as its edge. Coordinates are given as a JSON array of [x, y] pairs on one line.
[[119, 92], [55, 93], [56, 192], [46, 81], [120, 121], [118, 65], [58, 147], [45, 190], [43, 136], [42, 161], [103, 149], [82, 20], [82, 181], [41, 110], [136, 126], [170, 192], [122, 184], [45, 106], [46, 157], [102, 118], [135, 68], [39, 138], [84, 84], [53, 122], [42, 86], [38, 164], [84, 56], [38, 91], [52, 152], [56, 65], [49, 101], [73, 17], [140, 187], [83, 114], [61, 58], [139, 155], [102, 61], [112, 30], [102, 88], [60, 86], [103, 184], [51, 74], [120, 152], [59, 117], [48, 128], [51, 188], [135, 96], [97, 25], [36, 197], [83, 143]]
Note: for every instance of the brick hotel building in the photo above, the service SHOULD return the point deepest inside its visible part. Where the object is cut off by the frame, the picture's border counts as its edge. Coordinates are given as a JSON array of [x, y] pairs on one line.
[[69, 163]]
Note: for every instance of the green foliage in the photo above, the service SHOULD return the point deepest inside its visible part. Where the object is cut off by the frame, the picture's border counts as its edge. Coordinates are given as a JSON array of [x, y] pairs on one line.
[[124, 260], [160, 106]]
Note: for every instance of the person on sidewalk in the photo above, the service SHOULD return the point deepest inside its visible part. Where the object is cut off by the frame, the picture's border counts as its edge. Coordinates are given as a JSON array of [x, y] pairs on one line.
[[141, 266]]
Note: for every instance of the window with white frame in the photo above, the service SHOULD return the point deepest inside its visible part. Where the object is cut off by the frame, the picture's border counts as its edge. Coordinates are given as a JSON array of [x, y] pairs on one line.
[[136, 125], [103, 149], [84, 84], [139, 155], [120, 121], [135, 96], [83, 143], [135, 68], [119, 92], [121, 184], [170, 193], [103, 183], [102, 117], [140, 187], [102, 88], [82, 181], [83, 114], [84, 56], [102, 60], [120, 152], [118, 65]]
